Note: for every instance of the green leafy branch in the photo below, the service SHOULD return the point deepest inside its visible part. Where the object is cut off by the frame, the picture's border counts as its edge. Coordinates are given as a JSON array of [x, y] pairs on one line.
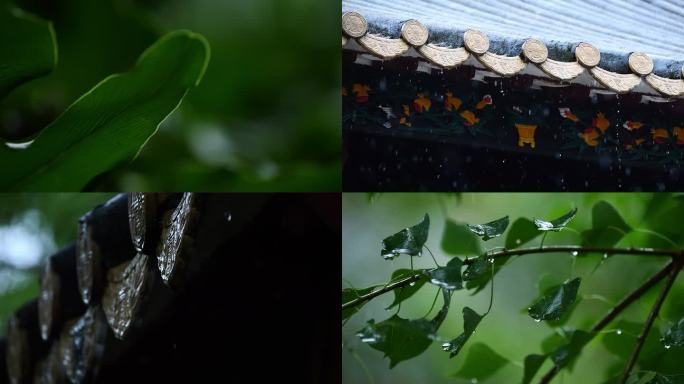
[[397, 337]]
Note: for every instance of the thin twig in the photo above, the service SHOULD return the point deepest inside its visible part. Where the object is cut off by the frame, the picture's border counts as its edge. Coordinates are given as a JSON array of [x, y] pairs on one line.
[[649, 322], [621, 306], [675, 254]]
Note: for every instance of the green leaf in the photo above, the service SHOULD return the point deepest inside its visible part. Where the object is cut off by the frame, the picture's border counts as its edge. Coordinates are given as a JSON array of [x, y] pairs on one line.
[[522, 231], [557, 224], [408, 241], [532, 365], [470, 321], [555, 302], [650, 377], [349, 294], [674, 337], [403, 293], [109, 124], [477, 268], [449, 276], [28, 47], [608, 227], [481, 363], [565, 354], [402, 339], [478, 277], [490, 230], [457, 239]]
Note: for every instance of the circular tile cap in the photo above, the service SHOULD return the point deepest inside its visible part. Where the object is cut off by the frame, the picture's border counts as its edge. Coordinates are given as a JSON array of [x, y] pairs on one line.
[[476, 41], [640, 63], [353, 24], [587, 54], [414, 33], [535, 51]]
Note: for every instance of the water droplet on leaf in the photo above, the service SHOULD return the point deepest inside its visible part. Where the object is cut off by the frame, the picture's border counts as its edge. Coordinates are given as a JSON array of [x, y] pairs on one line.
[[574, 253]]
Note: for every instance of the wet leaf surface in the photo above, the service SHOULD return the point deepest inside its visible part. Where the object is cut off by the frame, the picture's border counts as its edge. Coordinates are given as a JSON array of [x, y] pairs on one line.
[[491, 229], [470, 321], [674, 337], [349, 294], [557, 224], [608, 227], [532, 365], [402, 339], [556, 302], [449, 276], [408, 241]]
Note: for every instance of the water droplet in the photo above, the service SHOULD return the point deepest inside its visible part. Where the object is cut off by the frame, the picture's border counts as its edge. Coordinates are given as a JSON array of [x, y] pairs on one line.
[[446, 346], [473, 381], [517, 241], [619, 331], [574, 253], [537, 320], [412, 283], [667, 346], [605, 255], [228, 216]]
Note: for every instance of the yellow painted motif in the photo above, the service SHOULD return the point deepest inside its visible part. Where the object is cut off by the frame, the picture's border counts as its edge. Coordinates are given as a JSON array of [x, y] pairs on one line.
[[632, 125], [526, 134], [660, 135], [407, 112], [601, 122], [470, 118], [361, 92], [567, 113], [451, 102], [590, 136], [421, 103], [486, 100]]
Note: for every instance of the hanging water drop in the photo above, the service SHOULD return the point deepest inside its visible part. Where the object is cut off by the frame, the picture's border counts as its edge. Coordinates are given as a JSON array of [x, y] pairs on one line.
[[412, 283], [517, 241], [619, 331], [537, 320], [574, 253], [605, 255], [446, 346]]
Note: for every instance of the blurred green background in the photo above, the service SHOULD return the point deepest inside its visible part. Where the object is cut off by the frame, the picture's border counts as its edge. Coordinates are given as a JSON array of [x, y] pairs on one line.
[[508, 330], [265, 117], [32, 227]]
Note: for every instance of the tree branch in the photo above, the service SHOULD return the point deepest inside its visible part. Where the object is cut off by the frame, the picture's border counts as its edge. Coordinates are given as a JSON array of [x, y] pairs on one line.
[[621, 306], [675, 254], [651, 318]]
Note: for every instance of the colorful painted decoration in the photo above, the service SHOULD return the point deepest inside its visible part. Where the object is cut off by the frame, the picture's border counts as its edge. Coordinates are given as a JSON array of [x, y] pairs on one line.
[[526, 134]]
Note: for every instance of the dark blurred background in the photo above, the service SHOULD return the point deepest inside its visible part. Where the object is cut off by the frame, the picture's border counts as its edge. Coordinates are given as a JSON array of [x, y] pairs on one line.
[[265, 117]]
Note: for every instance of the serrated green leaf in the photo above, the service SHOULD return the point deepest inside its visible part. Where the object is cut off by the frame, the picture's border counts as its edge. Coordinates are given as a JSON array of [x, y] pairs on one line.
[[481, 363], [522, 231], [477, 268], [449, 276], [608, 227], [405, 292], [402, 339], [554, 304], [557, 224], [28, 47], [109, 124], [674, 337], [491, 229], [349, 294], [470, 321], [532, 365], [457, 239], [408, 241]]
